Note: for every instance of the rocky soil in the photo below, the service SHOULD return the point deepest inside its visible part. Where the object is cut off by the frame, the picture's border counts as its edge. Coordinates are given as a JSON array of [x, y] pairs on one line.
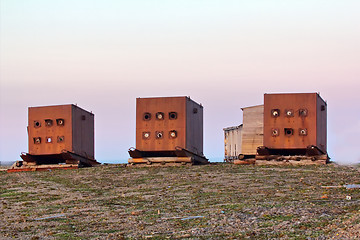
[[216, 201]]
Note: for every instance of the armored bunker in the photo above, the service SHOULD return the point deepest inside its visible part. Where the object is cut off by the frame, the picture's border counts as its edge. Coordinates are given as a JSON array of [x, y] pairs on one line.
[[168, 129]]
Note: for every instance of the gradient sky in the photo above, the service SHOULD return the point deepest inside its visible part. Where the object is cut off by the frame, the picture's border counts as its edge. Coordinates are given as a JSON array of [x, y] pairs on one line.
[[224, 54]]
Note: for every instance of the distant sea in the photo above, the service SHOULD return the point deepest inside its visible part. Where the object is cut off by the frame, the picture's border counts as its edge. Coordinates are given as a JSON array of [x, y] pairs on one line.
[[7, 163]]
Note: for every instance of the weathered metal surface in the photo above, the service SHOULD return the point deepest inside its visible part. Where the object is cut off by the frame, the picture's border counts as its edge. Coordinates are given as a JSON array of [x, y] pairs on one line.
[[64, 157], [178, 155], [194, 127], [164, 123], [83, 132], [53, 130], [293, 122], [163, 160]]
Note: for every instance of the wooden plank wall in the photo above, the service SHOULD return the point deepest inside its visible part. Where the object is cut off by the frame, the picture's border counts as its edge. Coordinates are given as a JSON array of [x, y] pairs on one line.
[[232, 142], [253, 129]]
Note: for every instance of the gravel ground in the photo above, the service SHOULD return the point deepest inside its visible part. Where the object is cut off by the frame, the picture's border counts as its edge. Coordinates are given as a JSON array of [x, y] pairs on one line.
[[216, 201]]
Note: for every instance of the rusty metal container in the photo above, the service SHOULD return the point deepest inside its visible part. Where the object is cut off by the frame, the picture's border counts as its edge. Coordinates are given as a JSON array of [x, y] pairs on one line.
[[62, 133], [167, 126], [294, 123]]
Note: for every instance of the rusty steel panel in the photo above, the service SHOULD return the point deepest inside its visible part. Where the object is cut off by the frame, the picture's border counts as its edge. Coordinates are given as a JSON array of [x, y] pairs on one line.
[[294, 121], [61, 128], [194, 127], [164, 123], [321, 125], [83, 132]]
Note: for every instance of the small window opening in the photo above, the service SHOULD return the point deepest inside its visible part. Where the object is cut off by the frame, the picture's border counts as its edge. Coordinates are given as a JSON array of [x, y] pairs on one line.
[[60, 122], [37, 124], [37, 140], [288, 131], [147, 116], [83, 117], [275, 113], [289, 112], [173, 134], [48, 122], [195, 110], [160, 116], [159, 134], [146, 135], [48, 139], [275, 132], [303, 132], [60, 139], [303, 112], [172, 115]]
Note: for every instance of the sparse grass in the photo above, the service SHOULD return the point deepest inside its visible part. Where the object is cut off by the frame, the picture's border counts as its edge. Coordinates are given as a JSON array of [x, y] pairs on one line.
[[256, 202]]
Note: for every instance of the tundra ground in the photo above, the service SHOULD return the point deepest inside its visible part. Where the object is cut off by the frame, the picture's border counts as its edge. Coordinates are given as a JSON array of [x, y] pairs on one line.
[[191, 202]]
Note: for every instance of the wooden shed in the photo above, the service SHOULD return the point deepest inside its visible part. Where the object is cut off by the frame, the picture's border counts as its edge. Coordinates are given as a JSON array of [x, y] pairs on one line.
[[253, 129], [232, 142], [242, 141]]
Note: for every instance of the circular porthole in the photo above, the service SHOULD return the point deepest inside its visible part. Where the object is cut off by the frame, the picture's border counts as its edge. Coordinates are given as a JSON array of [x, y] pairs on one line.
[[172, 115], [60, 139], [48, 122], [173, 134], [289, 131], [147, 116], [275, 132], [37, 124], [275, 112], [146, 135], [60, 122], [160, 116], [303, 112], [289, 113], [159, 135], [303, 132]]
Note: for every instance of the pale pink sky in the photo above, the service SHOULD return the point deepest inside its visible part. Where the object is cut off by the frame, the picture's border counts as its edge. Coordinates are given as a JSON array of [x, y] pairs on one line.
[[224, 54]]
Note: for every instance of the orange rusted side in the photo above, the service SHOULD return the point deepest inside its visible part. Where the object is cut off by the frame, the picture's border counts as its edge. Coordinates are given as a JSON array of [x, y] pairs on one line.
[[286, 126], [180, 124], [55, 129]]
